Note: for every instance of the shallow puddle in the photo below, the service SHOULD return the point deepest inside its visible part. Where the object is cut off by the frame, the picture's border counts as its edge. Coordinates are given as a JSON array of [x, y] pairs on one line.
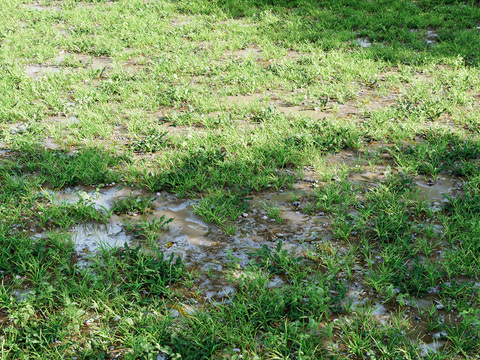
[[431, 37], [205, 247], [39, 7], [36, 71], [65, 119], [202, 246], [22, 294], [433, 192], [364, 42], [434, 347], [311, 109], [92, 236], [62, 63]]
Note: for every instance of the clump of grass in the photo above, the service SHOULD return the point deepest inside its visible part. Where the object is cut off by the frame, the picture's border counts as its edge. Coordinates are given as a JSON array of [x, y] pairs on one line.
[[151, 143], [65, 215], [150, 230], [133, 204], [277, 261], [59, 168], [148, 272], [222, 208], [273, 211], [264, 114]]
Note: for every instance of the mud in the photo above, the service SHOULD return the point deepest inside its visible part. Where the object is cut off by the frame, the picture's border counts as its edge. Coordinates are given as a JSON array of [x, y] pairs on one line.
[[22, 294], [434, 347], [70, 120], [207, 250], [251, 51], [83, 60], [366, 101]]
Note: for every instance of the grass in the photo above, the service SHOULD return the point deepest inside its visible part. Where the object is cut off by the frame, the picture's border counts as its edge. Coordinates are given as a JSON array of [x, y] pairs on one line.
[[221, 109]]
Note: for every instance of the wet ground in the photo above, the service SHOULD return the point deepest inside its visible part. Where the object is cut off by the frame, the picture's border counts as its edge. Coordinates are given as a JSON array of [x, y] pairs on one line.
[[207, 250]]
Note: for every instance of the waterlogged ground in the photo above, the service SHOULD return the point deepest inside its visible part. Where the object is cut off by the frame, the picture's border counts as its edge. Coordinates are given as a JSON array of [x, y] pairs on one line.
[[203, 180]]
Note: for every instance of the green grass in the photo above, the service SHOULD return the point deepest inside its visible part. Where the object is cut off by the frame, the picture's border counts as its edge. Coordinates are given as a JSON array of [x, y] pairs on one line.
[[226, 104]]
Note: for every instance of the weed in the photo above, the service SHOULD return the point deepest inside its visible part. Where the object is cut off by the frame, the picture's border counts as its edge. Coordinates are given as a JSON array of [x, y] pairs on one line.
[[222, 208], [274, 262], [151, 143], [133, 204], [273, 211], [150, 230]]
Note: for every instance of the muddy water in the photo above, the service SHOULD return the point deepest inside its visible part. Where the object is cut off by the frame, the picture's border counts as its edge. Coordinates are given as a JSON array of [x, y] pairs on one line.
[[37, 5], [431, 37], [203, 247], [433, 192], [88, 61], [91, 236]]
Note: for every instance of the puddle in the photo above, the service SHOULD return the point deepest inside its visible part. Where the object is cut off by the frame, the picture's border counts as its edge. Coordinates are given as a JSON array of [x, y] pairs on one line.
[[433, 192], [247, 52], [311, 109], [431, 37], [202, 246], [69, 61], [421, 304], [380, 310], [101, 198], [433, 347], [36, 71], [216, 287], [185, 231], [39, 7], [87, 61], [91, 236], [65, 119], [50, 144], [22, 294], [364, 42], [356, 295]]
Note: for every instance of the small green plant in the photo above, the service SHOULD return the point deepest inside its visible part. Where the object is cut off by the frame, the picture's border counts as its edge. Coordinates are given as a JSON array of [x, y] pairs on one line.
[[233, 262], [133, 204], [150, 230], [151, 272], [275, 262], [222, 208], [264, 114], [273, 211], [65, 214], [151, 143]]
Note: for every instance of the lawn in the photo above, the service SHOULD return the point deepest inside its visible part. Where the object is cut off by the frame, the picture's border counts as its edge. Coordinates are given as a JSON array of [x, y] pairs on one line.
[[249, 179]]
